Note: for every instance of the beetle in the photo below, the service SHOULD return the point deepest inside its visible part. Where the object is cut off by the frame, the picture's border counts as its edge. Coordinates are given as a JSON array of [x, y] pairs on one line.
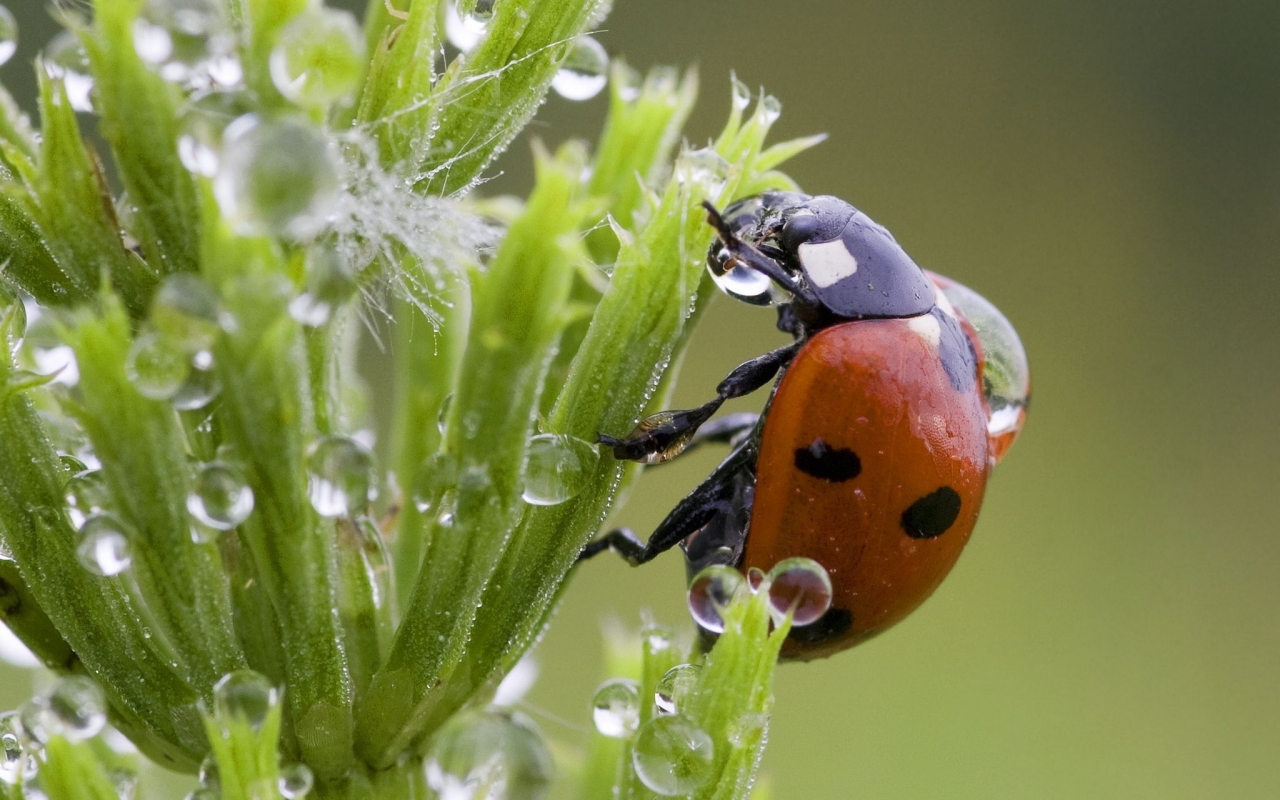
[[896, 398]]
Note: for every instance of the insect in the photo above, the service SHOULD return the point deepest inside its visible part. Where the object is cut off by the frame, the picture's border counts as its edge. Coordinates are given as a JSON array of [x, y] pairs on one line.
[[901, 391]]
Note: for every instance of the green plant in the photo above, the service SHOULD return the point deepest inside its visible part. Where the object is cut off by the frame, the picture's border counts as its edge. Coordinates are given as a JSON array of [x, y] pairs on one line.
[[195, 522]]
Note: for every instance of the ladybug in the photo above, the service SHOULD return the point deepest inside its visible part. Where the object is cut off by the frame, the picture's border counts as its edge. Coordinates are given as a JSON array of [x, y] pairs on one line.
[[901, 391]]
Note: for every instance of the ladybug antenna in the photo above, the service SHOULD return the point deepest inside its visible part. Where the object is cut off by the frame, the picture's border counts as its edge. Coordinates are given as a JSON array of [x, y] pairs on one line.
[[756, 260]]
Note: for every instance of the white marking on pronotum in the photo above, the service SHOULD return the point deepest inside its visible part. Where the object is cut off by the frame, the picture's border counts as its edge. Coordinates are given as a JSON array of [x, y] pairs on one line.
[[926, 325], [943, 302], [827, 262]]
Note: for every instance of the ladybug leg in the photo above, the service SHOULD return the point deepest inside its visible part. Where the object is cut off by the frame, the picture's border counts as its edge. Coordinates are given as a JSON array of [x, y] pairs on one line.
[[665, 435], [712, 497]]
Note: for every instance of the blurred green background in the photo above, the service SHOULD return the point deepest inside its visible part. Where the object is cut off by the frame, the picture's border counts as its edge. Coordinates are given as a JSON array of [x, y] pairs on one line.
[[1109, 175]]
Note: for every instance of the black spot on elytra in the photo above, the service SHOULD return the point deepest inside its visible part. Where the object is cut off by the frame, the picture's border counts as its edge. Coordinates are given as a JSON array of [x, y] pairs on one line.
[[932, 515], [831, 624], [834, 464], [956, 351]]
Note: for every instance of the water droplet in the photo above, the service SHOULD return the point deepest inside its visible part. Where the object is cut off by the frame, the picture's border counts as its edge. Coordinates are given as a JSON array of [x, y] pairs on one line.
[[615, 709], [208, 774], [11, 750], [77, 708], [185, 309], [340, 476], [672, 755], [739, 281], [104, 548], [295, 781], [755, 579], [220, 496], [464, 31], [328, 284], [1006, 375], [584, 71], [627, 82], [319, 57], [557, 469], [801, 587], [246, 696], [770, 109], [276, 176], [702, 171], [489, 754], [437, 475], [202, 122], [13, 319], [676, 687], [8, 35], [157, 366], [201, 385], [180, 39], [741, 94], [442, 418], [710, 592], [86, 492], [656, 638], [64, 58], [125, 782]]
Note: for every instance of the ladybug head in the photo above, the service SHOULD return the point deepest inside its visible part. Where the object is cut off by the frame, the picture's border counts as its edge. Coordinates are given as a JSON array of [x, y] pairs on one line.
[[819, 255]]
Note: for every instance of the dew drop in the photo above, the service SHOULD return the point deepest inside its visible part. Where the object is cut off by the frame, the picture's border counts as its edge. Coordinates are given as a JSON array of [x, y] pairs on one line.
[[1006, 375], [615, 709], [180, 39], [584, 71], [702, 171], [104, 548], [739, 281], [627, 82], [220, 496], [656, 639], [157, 366], [489, 754], [295, 781], [557, 469], [125, 782], [770, 109], [442, 418], [8, 35], [437, 475], [76, 708], [208, 774], [741, 94], [11, 750], [319, 57], [328, 284], [676, 687], [277, 176], [755, 579], [201, 385], [185, 309], [464, 31], [673, 756], [800, 587], [202, 123], [340, 476], [246, 696], [710, 592], [65, 59]]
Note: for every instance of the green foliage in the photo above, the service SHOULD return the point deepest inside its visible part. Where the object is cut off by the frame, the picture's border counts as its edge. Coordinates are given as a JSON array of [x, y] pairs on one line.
[[382, 617]]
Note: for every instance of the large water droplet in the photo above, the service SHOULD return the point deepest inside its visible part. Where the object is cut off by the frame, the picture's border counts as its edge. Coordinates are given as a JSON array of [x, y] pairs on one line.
[[464, 31], [1006, 375], [246, 696], [672, 755], [104, 547], [584, 71], [676, 687], [157, 366], [181, 39], [770, 109], [295, 781], [77, 708], [277, 176], [800, 587], [710, 592], [703, 172], [65, 58], [185, 309], [341, 476], [741, 97], [437, 475], [557, 469], [489, 754], [615, 709], [220, 496], [741, 282], [208, 774], [319, 57], [328, 284], [8, 35], [202, 122], [12, 753], [201, 385]]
